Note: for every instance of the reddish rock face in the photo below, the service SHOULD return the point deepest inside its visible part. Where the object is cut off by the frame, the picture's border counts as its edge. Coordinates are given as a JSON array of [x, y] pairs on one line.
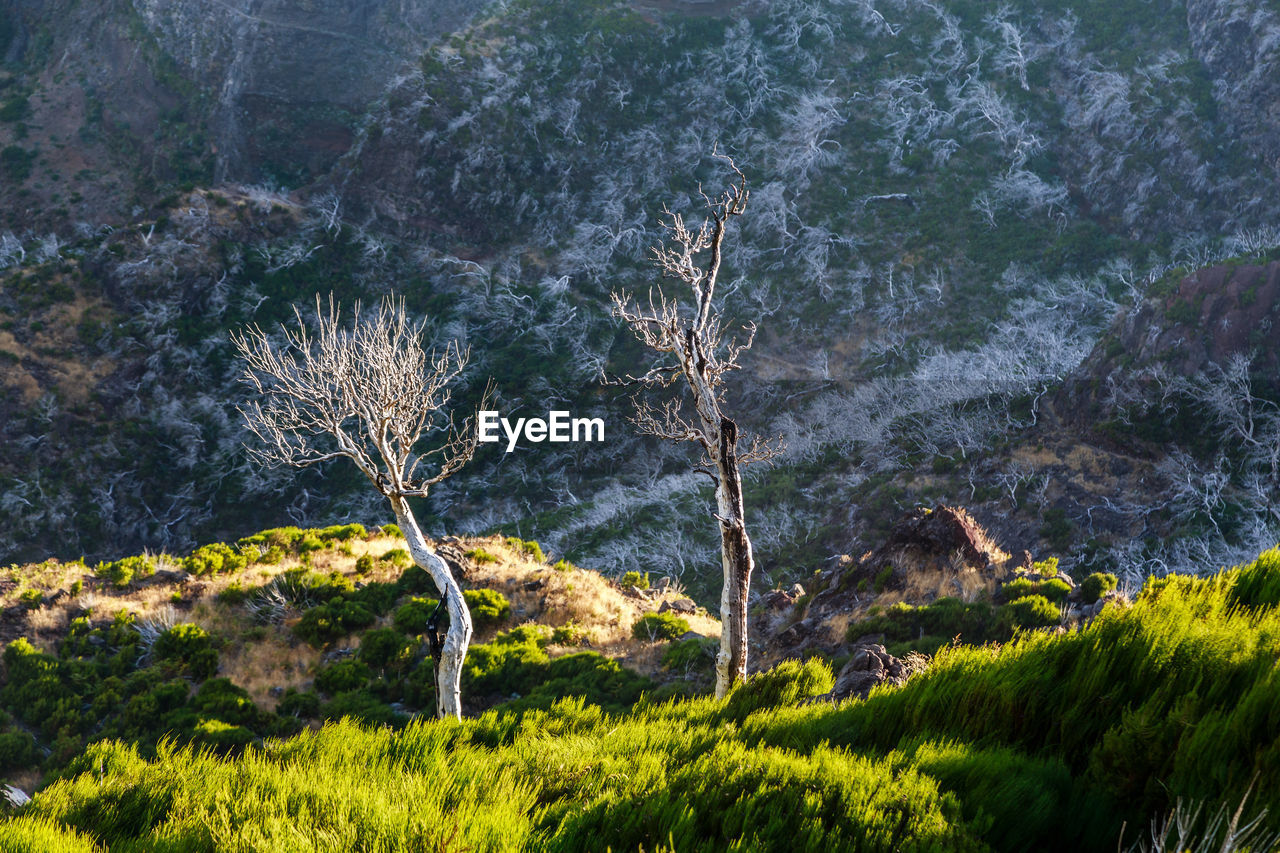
[[1215, 313]]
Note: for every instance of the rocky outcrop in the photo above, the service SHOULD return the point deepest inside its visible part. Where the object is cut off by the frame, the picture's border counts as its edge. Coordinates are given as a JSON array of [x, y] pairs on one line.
[[930, 548], [869, 667]]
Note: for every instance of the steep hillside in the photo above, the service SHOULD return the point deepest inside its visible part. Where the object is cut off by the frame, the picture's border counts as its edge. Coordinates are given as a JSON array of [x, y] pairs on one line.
[[949, 207]]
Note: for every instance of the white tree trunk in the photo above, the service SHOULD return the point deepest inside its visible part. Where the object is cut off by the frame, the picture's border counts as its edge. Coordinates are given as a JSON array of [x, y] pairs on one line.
[[458, 637]]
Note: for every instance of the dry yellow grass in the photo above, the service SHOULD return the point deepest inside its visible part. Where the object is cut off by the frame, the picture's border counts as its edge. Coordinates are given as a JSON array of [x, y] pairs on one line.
[[540, 594]]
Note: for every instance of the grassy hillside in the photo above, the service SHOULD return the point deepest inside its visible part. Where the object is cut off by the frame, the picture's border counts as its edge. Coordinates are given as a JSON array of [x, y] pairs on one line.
[[288, 628], [1050, 742]]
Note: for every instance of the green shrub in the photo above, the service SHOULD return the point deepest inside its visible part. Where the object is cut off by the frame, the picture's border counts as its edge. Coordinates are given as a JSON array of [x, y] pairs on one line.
[[120, 573], [364, 564], [1055, 590], [527, 548], [1046, 568], [340, 533], [283, 538], [213, 559], [563, 566], [363, 706], [695, 653], [303, 705], [415, 580], [481, 556], [31, 599], [1051, 588], [920, 628], [235, 593], [883, 578], [310, 543], [569, 634], [188, 648], [383, 648], [659, 626], [343, 676], [598, 680], [634, 580], [513, 663], [18, 751], [392, 530], [1018, 588], [1033, 611], [326, 623], [783, 686], [1096, 586], [487, 606], [412, 616], [397, 557]]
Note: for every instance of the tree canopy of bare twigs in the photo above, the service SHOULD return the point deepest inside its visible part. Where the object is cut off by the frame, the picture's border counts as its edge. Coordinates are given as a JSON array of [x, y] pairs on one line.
[[688, 339], [370, 392]]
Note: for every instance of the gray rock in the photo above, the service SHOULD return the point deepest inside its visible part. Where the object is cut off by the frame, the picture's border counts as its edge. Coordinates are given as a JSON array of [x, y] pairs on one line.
[[680, 605]]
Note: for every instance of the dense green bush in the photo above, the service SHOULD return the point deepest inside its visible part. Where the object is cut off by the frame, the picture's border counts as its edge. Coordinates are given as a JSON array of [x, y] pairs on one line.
[[384, 648], [341, 533], [927, 627], [527, 548], [487, 606], [1032, 611], [1097, 585], [784, 685], [397, 557], [121, 573], [569, 634], [304, 705], [634, 580], [187, 648], [18, 751], [412, 616], [277, 537], [695, 653], [659, 626], [343, 676], [31, 599], [1051, 588], [217, 558], [326, 623]]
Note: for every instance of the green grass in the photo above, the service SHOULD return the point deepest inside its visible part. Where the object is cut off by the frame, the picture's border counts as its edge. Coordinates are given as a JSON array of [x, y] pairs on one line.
[[1049, 742]]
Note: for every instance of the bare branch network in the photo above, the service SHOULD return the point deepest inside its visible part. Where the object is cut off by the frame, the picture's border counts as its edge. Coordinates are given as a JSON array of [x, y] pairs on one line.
[[368, 392], [694, 334]]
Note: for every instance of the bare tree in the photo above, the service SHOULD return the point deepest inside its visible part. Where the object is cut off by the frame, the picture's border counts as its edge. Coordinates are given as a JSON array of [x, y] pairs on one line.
[[689, 342], [370, 393]]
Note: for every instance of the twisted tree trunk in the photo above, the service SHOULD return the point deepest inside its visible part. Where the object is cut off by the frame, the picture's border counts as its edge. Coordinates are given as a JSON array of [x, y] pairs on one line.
[[458, 637]]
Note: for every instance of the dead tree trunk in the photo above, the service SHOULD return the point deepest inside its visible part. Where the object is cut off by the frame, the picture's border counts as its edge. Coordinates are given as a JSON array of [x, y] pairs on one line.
[[458, 637], [693, 337]]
